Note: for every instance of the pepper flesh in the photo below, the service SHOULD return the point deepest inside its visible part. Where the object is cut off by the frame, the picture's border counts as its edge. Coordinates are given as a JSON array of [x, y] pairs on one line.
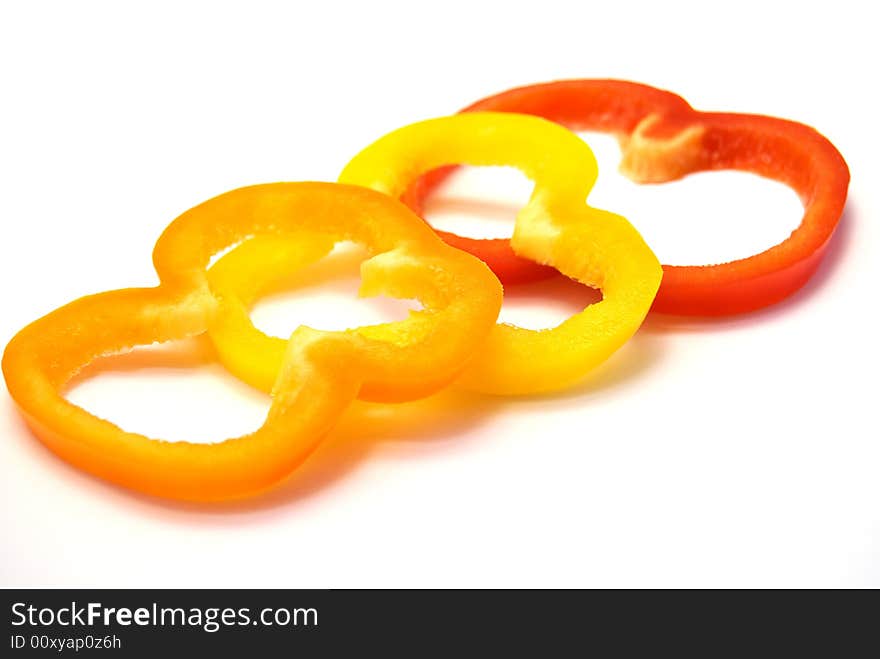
[[555, 228], [663, 139], [318, 374]]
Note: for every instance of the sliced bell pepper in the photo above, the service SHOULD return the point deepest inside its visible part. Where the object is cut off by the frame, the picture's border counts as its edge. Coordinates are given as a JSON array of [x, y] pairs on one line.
[[662, 139], [318, 373], [556, 228]]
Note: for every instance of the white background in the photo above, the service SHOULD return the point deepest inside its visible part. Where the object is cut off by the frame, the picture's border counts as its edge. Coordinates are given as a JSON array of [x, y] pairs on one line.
[[740, 452]]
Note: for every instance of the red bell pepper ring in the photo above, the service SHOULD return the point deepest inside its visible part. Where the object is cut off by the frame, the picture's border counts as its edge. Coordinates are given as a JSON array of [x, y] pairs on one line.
[[663, 139]]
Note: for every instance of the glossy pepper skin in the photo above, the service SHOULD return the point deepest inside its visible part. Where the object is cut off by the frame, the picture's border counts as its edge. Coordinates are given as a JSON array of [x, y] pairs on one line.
[[319, 373], [556, 228], [663, 139]]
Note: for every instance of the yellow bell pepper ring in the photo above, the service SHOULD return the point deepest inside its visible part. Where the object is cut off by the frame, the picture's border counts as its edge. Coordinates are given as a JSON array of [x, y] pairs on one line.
[[318, 373], [555, 228]]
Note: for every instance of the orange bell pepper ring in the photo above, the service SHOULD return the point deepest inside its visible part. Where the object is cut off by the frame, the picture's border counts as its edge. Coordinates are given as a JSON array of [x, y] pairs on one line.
[[663, 139], [556, 228], [318, 374]]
